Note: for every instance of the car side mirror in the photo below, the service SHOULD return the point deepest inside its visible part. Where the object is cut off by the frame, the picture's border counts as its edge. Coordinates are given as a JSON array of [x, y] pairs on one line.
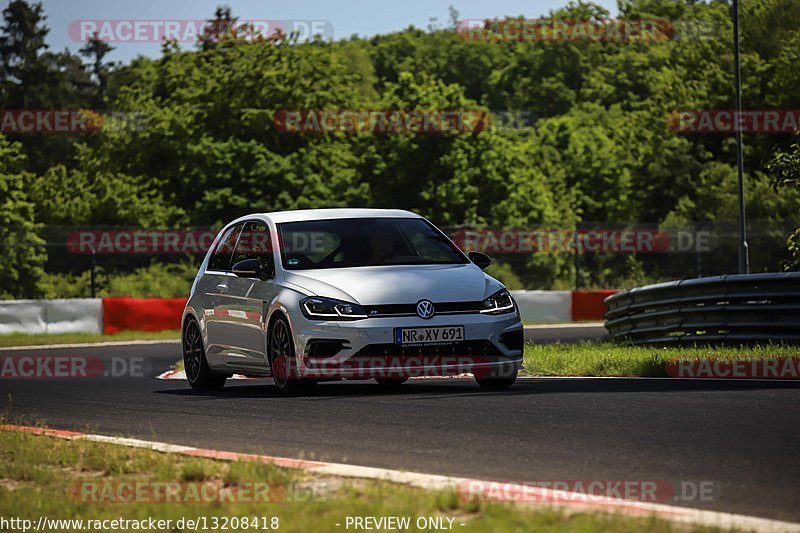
[[248, 268], [480, 259]]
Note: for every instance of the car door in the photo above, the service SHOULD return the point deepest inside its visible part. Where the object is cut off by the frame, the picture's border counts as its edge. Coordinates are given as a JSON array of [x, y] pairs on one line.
[[250, 297], [213, 286]]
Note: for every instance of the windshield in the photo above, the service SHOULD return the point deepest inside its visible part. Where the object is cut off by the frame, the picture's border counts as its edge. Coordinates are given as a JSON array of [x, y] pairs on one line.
[[354, 242]]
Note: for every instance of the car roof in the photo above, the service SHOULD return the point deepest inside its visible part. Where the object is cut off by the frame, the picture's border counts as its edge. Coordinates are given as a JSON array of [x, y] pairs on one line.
[[324, 214]]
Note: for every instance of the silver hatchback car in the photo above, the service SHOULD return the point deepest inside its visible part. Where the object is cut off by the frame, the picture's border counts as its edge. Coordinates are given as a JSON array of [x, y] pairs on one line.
[[330, 294]]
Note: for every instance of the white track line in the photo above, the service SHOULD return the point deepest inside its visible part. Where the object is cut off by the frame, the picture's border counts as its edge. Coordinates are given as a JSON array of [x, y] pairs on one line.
[[575, 502], [89, 344]]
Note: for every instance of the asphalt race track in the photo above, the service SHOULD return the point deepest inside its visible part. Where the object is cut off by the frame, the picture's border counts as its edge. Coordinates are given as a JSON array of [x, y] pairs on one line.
[[742, 436]]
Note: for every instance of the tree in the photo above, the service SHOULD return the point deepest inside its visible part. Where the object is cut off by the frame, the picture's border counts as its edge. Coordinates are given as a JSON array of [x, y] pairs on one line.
[[22, 253], [96, 50], [785, 168], [33, 78], [219, 29], [601, 150], [22, 41]]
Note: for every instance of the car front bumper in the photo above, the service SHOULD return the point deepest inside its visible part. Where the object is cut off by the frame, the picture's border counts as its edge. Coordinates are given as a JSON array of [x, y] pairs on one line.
[[363, 349]]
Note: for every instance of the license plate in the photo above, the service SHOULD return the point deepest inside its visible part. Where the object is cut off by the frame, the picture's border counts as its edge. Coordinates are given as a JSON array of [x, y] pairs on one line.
[[423, 336]]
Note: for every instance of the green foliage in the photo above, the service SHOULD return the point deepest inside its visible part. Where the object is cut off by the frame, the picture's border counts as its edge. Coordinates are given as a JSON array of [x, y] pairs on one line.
[[785, 167], [505, 275], [158, 280], [600, 152], [21, 253], [66, 285], [33, 78]]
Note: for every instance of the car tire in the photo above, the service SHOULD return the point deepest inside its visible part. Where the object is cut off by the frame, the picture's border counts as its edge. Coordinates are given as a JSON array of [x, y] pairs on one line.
[[281, 360], [195, 365], [501, 380], [390, 383]]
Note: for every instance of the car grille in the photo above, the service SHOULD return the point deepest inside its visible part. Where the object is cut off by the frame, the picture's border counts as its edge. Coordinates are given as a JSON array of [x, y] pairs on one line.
[[458, 349], [442, 308]]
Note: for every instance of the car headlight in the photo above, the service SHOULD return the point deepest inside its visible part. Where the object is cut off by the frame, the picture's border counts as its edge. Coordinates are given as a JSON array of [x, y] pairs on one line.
[[320, 308], [498, 303]]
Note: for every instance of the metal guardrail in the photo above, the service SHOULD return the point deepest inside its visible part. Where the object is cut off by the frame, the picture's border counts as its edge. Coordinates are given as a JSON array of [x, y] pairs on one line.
[[723, 309]]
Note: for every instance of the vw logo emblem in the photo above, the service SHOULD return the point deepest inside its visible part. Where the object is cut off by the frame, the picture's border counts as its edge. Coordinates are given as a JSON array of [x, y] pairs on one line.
[[425, 309]]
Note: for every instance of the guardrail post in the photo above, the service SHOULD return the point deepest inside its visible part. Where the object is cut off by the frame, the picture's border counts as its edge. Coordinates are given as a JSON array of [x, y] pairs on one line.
[[744, 251], [94, 272]]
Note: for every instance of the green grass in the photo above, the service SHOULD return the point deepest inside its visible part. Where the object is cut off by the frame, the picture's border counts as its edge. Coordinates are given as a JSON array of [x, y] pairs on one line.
[[27, 339], [39, 475], [608, 359]]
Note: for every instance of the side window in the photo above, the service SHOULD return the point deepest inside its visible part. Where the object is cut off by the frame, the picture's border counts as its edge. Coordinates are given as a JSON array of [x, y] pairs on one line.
[[256, 243], [221, 258]]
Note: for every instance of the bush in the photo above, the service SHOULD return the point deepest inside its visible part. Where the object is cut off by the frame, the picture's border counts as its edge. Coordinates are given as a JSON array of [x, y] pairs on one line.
[[156, 281], [159, 280]]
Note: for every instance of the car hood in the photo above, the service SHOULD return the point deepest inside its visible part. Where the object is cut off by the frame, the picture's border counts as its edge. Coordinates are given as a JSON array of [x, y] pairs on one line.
[[398, 283]]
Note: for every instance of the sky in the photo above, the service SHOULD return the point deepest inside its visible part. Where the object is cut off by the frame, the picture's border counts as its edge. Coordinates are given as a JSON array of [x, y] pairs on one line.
[[341, 18]]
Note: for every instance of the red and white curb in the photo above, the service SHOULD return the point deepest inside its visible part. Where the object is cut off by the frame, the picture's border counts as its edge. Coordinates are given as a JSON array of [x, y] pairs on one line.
[[572, 502], [112, 315]]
